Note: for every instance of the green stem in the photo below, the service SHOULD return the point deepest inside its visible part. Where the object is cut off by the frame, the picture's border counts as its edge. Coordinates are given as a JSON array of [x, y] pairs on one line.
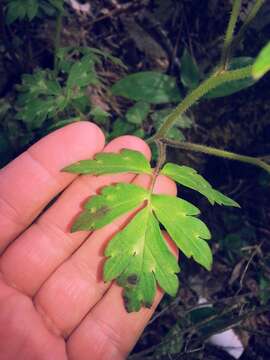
[[207, 85], [229, 33], [161, 146], [251, 15], [58, 28], [217, 152]]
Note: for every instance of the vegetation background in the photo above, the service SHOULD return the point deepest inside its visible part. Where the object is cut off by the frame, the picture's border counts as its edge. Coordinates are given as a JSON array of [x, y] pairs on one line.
[[42, 89]]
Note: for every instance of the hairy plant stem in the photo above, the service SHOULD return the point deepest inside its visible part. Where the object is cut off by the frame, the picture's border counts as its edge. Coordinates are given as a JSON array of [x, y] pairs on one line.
[[220, 76], [58, 28], [207, 85], [218, 152], [251, 15], [229, 34], [161, 146]]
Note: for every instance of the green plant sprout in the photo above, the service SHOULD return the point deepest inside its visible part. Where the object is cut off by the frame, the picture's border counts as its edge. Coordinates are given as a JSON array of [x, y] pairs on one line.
[[138, 257]]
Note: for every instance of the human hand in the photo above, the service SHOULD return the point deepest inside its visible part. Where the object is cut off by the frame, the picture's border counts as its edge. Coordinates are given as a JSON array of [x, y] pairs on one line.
[[53, 301]]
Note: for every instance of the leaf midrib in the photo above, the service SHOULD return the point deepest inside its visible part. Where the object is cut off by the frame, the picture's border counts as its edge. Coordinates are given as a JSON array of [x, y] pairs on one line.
[[127, 167]]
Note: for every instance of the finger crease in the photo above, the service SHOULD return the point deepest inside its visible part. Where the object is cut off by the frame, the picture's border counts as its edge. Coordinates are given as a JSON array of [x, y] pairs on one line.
[[43, 168], [49, 323], [52, 230], [84, 180], [112, 336], [11, 213]]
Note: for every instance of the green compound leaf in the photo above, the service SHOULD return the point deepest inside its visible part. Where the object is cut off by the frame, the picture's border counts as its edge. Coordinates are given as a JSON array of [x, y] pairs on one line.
[[114, 201], [110, 163], [262, 63], [82, 73], [188, 232], [138, 258], [189, 177], [138, 113], [99, 115], [40, 97]]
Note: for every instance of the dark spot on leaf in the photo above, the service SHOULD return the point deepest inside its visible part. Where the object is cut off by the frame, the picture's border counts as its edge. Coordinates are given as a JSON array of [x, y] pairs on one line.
[[148, 305], [127, 304], [132, 279], [103, 210], [126, 300]]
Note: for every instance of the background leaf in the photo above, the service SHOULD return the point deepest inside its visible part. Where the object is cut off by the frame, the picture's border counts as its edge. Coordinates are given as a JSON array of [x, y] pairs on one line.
[[99, 115], [110, 163], [16, 9], [189, 177], [232, 87], [262, 63], [40, 97], [175, 132], [149, 86], [121, 127], [35, 112], [62, 123], [138, 112], [82, 73], [190, 75], [29, 9]]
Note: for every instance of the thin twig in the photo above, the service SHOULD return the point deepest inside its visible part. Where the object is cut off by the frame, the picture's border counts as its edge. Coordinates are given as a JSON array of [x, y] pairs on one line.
[[217, 152], [255, 332], [58, 28], [196, 327], [209, 84], [251, 15], [257, 248], [229, 34], [161, 159]]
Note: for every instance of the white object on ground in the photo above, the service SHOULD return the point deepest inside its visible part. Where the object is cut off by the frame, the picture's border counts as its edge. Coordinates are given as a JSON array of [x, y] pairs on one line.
[[83, 8], [227, 340]]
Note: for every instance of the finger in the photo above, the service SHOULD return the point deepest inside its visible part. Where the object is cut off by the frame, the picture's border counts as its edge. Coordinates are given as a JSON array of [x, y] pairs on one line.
[[77, 285], [22, 331], [48, 242], [29, 182], [108, 331]]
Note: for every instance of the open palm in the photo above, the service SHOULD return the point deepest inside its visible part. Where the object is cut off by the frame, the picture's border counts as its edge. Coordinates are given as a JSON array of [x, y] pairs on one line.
[[53, 302]]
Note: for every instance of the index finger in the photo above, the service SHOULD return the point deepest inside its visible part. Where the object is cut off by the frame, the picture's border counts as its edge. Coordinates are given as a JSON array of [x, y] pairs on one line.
[[33, 179]]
